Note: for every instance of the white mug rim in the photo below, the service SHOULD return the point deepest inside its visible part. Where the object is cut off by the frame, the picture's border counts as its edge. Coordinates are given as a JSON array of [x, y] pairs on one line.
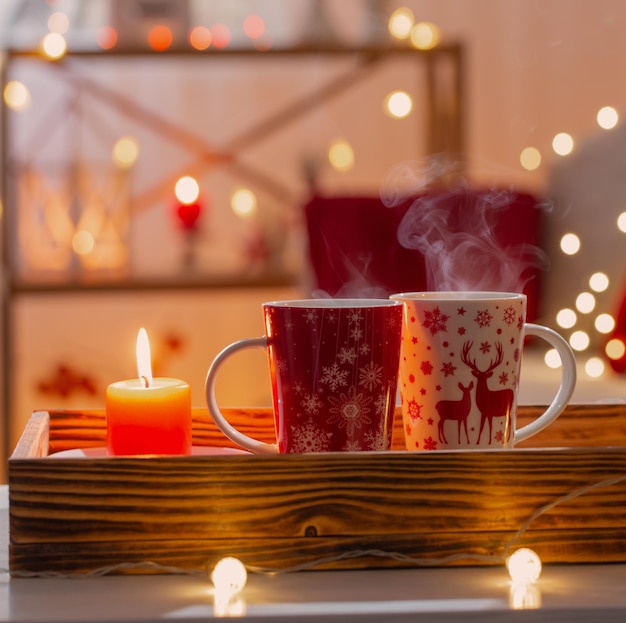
[[332, 303], [458, 295]]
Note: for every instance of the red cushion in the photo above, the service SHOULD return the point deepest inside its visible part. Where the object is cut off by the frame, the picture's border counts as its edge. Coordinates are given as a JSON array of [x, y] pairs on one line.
[[360, 247]]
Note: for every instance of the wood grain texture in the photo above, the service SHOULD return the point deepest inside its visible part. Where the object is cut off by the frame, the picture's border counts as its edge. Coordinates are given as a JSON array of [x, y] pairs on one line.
[[76, 515]]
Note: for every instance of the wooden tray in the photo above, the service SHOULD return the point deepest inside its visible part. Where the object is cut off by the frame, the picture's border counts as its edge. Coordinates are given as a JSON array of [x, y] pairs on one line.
[[78, 515]]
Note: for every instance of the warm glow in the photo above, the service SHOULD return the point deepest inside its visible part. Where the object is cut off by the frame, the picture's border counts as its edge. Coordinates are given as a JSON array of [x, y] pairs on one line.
[[82, 242], [16, 95], [604, 323], [243, 202], [594, 367], [585, 302], [53, 45], [200, 38], [607, 117], [570, 244], [598, 282], [221, 36], [229, 576], [552, 359], [106, 37], [579, 340], [144, 363], [530, 158], [566, 318], [58, 22], [563, 144], [621, 222], [425, 36], [398, 104], [400, 23], [125, 152], [615, 349], [160, 38], [524, 566], [187, 190], [341, 155], [254, 26]]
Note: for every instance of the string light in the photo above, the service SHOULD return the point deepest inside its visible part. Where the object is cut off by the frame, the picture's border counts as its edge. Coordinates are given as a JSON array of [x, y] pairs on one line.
[[524, 566], [229, 576]]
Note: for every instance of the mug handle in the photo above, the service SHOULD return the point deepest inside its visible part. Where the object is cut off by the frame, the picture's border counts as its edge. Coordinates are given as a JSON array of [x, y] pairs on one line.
[[254, 445], [566, 389]]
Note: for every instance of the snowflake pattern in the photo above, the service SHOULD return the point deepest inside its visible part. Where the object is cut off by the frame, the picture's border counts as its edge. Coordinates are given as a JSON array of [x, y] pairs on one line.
[[435, 321], [483, 318], [448, 368], [347, 355], [371, 376], [311, 404], [509, 315], [350, 411], [308, 437], [334, 376]]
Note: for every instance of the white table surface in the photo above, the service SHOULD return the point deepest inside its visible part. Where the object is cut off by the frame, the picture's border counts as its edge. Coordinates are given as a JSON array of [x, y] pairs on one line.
[[568, 593]]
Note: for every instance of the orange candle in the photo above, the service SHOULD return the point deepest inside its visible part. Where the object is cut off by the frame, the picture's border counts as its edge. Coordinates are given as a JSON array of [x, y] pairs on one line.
[[148, 415]]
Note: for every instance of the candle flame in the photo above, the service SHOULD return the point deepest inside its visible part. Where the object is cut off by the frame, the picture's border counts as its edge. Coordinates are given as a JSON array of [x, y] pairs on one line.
[[144, 366]]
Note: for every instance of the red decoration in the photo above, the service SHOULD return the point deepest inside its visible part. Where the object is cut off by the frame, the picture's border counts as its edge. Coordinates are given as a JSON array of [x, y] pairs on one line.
[[619, 333], [189, 215]]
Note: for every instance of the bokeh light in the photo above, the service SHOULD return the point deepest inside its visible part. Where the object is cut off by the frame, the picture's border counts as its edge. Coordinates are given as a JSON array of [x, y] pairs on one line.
[[607, 117], [563, 144], [594, 367], [552, 358], [16, 95], [53, 45], [585, 302], [200, 38], [400, 23], [530, 158], [570, 244], [82, 242], [160, 37], [604, 323], [615, 349], [621, 222], [106, 37], [221, 36], [125, 152], [566, 318], [599, 282], [254, 26], [58, 22], [187, 190], [243, 202], [425, 36], [398, 104], [579, 340], [341, 155]]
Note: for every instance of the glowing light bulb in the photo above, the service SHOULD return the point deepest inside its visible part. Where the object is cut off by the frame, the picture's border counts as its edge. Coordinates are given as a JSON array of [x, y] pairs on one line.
[[621, 222], [125, 152], [200, 38], [425, 36], [16, 95], [53, 45], [229, 576], [524, 566]]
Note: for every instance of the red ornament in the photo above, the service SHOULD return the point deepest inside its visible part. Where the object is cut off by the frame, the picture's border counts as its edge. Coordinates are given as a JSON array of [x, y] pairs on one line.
[[189, 214]]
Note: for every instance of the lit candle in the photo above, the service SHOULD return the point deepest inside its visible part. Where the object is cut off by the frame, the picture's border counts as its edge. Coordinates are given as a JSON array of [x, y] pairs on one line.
[[148, 415]]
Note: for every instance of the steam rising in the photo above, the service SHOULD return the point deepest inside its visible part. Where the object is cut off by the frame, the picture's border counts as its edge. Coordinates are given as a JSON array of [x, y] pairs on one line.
[[454, 230]]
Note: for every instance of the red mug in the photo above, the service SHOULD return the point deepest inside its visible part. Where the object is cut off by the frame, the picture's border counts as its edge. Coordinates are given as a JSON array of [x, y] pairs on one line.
[[334, 370]]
